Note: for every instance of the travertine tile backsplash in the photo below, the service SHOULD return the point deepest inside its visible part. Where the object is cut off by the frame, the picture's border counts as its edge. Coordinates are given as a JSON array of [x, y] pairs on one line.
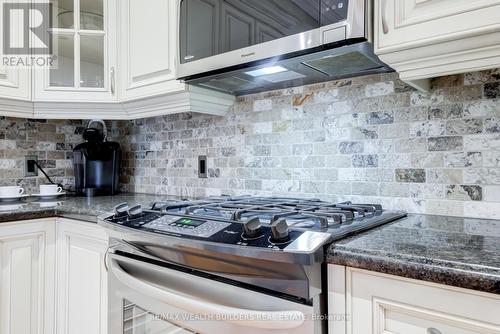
[[369, 139], [52, 141]]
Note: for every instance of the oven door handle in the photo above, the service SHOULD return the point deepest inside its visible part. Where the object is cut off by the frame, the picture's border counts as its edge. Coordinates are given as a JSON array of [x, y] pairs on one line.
[[271, 320]]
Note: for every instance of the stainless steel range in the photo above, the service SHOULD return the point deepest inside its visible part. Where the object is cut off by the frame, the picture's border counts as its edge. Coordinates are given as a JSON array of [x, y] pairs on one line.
[[226, 264]]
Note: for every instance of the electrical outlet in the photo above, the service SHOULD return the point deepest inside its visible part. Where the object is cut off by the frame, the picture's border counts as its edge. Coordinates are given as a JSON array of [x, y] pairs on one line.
[[30, 168], [202, 167]]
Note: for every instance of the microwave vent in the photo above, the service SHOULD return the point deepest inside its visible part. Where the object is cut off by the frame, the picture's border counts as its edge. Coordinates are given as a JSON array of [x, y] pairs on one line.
[[342, 64]]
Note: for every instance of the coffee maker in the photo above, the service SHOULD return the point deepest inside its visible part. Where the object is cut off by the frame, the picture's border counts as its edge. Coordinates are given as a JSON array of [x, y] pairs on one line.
[[96, 163]]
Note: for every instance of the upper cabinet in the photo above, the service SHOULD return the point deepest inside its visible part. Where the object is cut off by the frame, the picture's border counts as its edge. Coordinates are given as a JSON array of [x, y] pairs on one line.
[[15, 82], [147, 66], [83, 36], [422, 39], [115, 59]]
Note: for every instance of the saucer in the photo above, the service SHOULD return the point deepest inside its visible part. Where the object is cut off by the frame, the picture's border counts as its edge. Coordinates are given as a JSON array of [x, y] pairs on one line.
[[49, 196], [12, 198]]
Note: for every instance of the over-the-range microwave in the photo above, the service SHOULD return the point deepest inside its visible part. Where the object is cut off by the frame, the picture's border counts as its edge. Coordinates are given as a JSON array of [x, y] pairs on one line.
[[247, 46]]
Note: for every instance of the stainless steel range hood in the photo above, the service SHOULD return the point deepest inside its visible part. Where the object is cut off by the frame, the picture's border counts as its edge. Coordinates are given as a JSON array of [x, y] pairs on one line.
[[248, 46], [341, 62]]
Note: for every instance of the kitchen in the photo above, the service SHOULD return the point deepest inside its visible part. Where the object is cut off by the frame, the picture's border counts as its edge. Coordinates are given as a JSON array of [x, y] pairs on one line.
[[280, 166]]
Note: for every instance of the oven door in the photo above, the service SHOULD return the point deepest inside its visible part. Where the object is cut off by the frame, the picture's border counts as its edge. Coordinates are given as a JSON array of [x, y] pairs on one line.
[[146, 298]]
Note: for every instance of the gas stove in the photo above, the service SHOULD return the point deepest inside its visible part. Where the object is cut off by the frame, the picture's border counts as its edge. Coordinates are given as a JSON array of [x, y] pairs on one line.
[[281, 218], [271, 246]]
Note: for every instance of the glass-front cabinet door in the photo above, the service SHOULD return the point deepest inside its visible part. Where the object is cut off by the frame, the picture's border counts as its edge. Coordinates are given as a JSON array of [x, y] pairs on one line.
[[83, 34]]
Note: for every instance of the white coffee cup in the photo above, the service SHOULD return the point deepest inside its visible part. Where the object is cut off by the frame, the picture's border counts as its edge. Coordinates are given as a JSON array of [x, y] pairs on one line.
[[50, 189], [11, 191]]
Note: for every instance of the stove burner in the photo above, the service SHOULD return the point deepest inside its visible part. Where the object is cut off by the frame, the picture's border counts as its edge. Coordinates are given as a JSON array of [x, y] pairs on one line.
[[299, 213]]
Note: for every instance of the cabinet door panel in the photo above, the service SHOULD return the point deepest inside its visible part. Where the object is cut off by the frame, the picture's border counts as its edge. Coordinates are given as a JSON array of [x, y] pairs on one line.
[[15, 82], [27, 278], [402, 22], [148, 44], [387, 304], [82, 277]]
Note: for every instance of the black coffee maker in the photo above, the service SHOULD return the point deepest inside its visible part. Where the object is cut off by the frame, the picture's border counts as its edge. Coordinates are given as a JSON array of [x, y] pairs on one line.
[[96, 163]]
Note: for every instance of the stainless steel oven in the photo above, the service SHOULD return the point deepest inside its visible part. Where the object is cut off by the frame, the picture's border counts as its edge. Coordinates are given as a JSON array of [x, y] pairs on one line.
[[149, 295]]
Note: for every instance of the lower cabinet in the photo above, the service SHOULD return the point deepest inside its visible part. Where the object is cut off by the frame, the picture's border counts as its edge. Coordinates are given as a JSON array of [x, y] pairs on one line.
[[27, 277], [378, 303], [81, 297], [52, 278]]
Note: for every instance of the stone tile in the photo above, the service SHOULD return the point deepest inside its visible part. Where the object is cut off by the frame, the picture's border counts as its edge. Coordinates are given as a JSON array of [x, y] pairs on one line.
[[365, 188], [445, 143], [489, 176], [428, 129], [383, 117], [492, 90], [380, 88], [366, 161], [491, 159], [446, 176], [339, 188], [427, 159], [405, 115], [261, 105], [427, 191], [411, 175], [482, 108], [446, 111], [446, 208], [491, 193], [464, 193], [411, 145], [482, 143], [492, 125], [463, 159], [394, 189], [464, 126], [485, 210], [350, 147], [364, 133], [482, 77]]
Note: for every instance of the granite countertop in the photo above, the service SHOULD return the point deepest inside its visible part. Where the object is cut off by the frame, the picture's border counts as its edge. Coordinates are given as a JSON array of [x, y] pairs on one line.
[[81, 208], [462, 252]]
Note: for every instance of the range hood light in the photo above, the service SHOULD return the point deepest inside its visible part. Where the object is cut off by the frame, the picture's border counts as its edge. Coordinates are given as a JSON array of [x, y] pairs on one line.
[[266, 70]]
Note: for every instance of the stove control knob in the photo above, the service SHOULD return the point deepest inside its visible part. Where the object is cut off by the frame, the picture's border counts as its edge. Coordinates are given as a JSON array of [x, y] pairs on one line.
[[121, 209], [134, 211], [252, 227], [279, 230]]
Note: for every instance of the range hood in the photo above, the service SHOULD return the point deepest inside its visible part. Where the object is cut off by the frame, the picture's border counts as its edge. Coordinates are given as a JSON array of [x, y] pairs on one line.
[[312, 41]]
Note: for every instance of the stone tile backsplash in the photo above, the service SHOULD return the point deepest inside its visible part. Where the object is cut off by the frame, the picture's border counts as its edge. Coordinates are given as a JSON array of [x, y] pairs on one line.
[[367, 139], [52, 141]]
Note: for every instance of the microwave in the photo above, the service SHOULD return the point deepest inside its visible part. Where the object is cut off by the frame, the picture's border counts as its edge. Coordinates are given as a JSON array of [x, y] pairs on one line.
[[247, 46]]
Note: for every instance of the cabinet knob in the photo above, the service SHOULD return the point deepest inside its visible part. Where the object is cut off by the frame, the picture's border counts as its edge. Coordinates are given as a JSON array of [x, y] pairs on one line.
[[433, 331]]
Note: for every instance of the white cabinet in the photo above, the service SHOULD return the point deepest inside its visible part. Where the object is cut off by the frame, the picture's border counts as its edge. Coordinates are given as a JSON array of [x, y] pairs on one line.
[[422, 39], [52, 277], [116, 59], [84, 40], [15, 82], [27, 277], [148, 44], [383, 304], [82, 278]]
